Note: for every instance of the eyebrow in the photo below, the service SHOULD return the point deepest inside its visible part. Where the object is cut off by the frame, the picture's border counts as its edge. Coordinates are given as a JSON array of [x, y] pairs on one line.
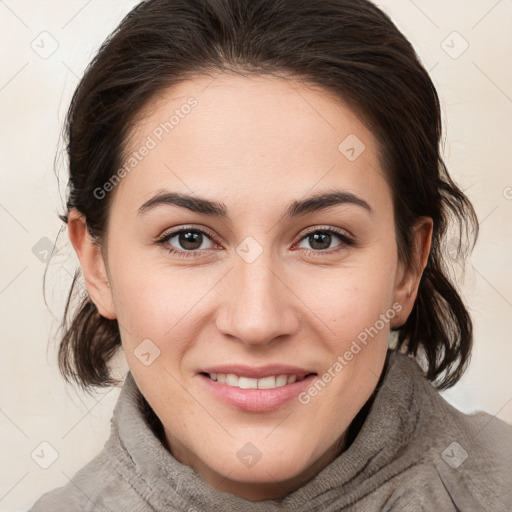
[[204, 206]]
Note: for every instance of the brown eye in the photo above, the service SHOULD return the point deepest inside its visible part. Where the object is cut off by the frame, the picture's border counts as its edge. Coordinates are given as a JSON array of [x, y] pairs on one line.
[[189, 240], [186, 241], [322, 240]]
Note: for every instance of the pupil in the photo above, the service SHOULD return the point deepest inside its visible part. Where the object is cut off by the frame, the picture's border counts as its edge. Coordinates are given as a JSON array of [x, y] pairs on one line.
[[189, 240], [324, 239]]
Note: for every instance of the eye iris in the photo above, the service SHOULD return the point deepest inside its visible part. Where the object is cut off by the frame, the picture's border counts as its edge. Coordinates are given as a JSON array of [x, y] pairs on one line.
[[321, 238], [189, 240]]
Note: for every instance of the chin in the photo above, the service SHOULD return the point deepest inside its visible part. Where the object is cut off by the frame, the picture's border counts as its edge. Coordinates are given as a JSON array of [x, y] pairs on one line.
[[261, 468], [269, 471]]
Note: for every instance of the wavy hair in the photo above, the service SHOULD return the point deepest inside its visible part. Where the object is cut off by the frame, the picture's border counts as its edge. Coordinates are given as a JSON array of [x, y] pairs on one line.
[[348, 47]]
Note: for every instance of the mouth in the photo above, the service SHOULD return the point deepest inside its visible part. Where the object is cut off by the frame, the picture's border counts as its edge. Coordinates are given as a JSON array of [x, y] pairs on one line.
[[250, 394], [243, 382]]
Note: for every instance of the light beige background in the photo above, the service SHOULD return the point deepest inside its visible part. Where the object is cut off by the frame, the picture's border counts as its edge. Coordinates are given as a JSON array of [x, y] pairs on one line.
[[35, 404]]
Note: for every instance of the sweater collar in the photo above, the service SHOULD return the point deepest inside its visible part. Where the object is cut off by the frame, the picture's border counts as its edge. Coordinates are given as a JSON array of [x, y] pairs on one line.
[[370, 459]]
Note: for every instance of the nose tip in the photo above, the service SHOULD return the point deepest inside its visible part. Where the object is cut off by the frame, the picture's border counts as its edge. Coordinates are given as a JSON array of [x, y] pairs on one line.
[[260, 307]]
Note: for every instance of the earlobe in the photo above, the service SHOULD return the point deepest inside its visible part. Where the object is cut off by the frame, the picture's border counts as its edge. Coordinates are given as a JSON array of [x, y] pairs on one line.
[[92, 263], [408, 279]]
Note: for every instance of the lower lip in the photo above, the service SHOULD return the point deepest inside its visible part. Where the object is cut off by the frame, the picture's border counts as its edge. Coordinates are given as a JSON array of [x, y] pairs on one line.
[[256, 400]]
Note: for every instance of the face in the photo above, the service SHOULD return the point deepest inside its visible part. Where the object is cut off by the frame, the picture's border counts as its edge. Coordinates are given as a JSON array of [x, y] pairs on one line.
[[242, 269]]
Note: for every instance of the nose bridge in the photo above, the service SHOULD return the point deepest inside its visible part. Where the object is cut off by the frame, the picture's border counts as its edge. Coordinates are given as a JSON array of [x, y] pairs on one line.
[[257, 283], [260, 309]]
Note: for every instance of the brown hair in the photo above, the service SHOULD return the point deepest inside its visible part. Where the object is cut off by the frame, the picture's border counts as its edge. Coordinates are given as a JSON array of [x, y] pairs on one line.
[[348, 47]]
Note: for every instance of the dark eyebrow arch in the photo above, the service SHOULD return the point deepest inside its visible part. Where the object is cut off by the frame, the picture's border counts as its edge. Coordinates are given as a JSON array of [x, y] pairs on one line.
[[215, 209], [325, 200]]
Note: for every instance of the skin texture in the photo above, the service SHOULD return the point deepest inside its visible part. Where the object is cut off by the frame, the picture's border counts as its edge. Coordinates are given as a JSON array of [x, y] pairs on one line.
[[255, 145]]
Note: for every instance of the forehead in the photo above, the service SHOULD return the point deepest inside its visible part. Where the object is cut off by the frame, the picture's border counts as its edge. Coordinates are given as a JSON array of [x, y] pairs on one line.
[[254, 138]]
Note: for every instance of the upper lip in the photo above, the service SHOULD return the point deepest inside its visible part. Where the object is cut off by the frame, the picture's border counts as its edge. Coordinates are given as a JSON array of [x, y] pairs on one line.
[[257, 372]]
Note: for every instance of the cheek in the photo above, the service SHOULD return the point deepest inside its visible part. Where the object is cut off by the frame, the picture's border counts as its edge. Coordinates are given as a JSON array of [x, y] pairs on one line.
[[349, 300], [158, 303]]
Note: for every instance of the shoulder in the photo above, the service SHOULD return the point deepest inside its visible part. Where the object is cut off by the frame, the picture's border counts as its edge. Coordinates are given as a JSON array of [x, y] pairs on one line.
[[469, 454], [96, 486]]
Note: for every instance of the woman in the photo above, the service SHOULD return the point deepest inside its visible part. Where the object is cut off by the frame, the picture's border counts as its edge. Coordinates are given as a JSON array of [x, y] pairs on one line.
[[259, 207]]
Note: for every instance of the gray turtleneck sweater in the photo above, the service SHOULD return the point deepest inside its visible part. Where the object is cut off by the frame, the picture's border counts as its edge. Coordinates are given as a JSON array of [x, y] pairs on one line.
[[413, 452]]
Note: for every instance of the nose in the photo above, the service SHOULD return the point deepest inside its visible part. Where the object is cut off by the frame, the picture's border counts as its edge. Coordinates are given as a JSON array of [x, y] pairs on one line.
[[260, 307]]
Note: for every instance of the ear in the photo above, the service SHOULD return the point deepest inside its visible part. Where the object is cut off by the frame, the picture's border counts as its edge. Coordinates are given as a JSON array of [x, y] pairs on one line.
[[408, 279], [92, 263]]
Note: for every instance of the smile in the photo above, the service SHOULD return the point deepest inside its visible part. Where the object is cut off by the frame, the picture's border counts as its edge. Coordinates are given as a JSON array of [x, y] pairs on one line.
[[270, 382], [251, 394]]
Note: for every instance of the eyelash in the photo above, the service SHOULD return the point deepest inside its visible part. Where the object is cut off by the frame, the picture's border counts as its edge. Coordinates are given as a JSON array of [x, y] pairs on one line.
[[162, 241]]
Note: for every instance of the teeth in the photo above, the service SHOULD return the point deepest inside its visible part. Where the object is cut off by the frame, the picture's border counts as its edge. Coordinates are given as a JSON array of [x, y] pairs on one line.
[[275, 381], [281, 381], [267, 383], [231, 379], [245, 383]]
